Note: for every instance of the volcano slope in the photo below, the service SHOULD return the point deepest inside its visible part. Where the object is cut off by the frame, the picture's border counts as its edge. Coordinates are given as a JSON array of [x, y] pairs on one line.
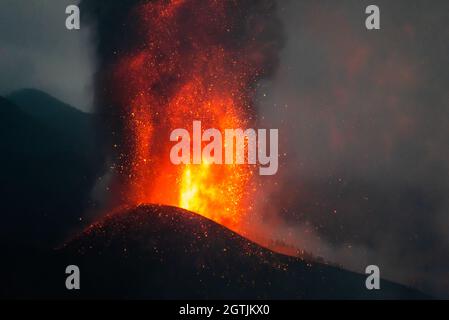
[[168, 253]]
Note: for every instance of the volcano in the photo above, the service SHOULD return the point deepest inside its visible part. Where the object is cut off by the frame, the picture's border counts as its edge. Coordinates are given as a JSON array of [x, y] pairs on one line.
[[163, 252]]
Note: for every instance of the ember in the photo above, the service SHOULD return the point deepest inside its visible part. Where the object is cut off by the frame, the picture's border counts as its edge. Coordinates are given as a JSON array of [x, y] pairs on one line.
[[199, 61]]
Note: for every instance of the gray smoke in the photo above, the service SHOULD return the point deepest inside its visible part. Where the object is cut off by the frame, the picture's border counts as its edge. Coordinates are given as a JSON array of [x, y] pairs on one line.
[[365, 122]]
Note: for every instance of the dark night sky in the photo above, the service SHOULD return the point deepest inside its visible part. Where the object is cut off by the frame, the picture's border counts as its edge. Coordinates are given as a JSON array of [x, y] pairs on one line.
[[37, 51], [363, 118]]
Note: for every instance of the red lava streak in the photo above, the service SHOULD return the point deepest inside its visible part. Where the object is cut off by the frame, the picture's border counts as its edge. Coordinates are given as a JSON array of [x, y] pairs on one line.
[[198, 60]]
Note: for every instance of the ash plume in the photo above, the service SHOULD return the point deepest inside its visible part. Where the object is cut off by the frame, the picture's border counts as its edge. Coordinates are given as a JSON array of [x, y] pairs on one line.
[[150, 51]]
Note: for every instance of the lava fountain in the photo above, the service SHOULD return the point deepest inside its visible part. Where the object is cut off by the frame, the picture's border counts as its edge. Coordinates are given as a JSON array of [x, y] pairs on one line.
[[193, 60]]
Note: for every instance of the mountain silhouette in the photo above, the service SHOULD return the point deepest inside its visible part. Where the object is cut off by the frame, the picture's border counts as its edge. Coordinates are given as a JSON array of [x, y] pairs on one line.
[[163, 252], [48, 167], [73, 124]]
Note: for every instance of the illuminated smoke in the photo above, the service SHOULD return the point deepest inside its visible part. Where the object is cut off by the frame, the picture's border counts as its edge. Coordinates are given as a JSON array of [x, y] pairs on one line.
[[164, 64]]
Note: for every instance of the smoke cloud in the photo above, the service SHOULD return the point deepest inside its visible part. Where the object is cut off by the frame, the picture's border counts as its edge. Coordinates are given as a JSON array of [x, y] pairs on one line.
[[365, 122]]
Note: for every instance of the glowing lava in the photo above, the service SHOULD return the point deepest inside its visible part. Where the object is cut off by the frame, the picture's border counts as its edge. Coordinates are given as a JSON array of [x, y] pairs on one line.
[[193, 63]]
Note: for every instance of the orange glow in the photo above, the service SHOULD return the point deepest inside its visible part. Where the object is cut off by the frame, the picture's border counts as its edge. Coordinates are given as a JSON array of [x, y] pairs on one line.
[[181, 73]]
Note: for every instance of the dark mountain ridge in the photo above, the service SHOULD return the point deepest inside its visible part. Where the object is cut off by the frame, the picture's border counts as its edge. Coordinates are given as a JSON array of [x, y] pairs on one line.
[[160, 252], [48, 168]]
